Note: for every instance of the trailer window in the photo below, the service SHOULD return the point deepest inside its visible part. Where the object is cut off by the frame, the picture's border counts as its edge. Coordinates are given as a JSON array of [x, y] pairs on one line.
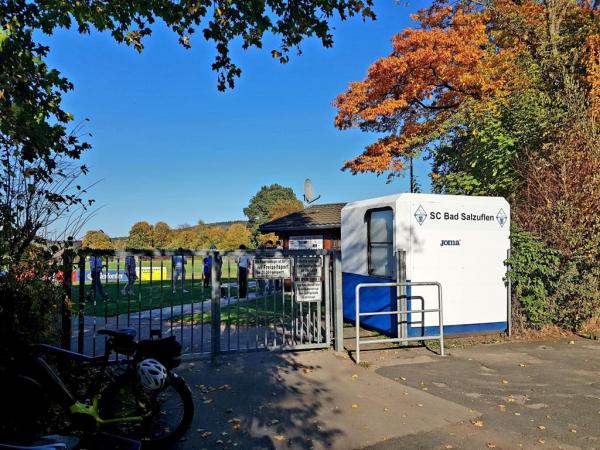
[[380, 230]]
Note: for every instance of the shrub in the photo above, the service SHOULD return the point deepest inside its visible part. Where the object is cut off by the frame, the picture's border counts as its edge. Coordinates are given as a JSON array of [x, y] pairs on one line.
[[534, 273], [31, 297]]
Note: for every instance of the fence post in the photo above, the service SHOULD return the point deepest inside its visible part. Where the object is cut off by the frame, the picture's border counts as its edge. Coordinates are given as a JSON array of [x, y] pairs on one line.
[[65, 310], [215, 307], [401, 292], [81, 302], [328, 297], [338, 304]]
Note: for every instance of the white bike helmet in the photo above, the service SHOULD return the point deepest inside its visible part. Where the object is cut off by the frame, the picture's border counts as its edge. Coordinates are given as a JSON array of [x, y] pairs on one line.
[[151, 374]]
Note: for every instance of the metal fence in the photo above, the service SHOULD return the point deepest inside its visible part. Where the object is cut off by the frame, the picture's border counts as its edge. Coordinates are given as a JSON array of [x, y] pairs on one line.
[[287, 304]]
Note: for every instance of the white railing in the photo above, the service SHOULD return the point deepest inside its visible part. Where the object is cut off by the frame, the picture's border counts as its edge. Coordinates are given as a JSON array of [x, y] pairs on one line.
[[399, 313]]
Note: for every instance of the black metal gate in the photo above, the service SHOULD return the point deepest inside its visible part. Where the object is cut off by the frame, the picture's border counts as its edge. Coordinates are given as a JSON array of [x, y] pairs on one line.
[[198, 296]]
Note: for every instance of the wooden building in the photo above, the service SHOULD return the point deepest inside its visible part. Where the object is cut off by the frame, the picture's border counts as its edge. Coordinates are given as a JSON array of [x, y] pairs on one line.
[[315, 227]]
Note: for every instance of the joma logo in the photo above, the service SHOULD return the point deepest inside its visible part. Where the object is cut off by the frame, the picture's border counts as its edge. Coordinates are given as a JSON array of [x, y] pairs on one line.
[[449, 242]]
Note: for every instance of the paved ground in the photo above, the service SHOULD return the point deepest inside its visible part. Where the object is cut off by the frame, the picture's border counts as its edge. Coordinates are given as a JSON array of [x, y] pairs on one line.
[[305, 400], [531, 395], [510, 395]]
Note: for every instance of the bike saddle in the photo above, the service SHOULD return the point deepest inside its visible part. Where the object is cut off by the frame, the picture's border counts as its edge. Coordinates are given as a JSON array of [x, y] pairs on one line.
[[121, 334]]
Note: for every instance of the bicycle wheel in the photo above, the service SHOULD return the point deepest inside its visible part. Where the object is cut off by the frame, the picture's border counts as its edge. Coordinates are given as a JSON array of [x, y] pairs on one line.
[[168, 412]]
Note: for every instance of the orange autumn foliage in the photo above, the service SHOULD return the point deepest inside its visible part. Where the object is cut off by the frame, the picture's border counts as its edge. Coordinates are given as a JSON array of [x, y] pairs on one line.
[[593, 73], [464, 51], [430, 73]]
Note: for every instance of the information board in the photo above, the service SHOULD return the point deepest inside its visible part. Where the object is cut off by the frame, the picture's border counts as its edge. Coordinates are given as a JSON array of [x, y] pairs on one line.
[[309, 267], [306, 243], [272, 268], [308, 291]]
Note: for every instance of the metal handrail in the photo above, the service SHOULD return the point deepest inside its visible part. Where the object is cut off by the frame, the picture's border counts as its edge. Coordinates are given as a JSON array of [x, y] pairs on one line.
[[396, 284]]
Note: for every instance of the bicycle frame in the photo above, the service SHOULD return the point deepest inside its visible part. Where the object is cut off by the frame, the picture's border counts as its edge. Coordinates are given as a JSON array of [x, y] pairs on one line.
[[75, 406], [92, 410]]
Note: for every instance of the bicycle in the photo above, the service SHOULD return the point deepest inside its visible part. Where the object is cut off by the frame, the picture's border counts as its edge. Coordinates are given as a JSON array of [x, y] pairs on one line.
[[116, 400]]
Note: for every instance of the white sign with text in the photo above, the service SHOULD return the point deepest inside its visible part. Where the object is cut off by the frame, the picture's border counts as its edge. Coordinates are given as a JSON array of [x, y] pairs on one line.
[[306, 243], [272, 268], [308, 291], [309, 267]]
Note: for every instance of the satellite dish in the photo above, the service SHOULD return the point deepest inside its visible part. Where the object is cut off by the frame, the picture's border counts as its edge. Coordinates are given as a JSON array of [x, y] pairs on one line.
[[309, 196]]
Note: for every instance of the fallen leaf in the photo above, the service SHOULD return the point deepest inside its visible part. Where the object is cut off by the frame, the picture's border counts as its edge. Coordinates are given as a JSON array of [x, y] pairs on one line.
[[541, 427], [354, 377], [354, 405], [279, 437], [504, 381], [542, 441], [477, 423], [573, 430]]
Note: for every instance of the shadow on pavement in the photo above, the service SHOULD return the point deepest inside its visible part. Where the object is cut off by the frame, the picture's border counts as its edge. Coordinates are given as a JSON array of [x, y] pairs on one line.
[[249, 401]]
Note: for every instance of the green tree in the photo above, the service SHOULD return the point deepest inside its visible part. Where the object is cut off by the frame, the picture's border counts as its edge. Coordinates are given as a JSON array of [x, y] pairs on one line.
[[284, 207], [182, 239], [162, 235], [97, 240], [236, 235], [140, 236], [260, 206]]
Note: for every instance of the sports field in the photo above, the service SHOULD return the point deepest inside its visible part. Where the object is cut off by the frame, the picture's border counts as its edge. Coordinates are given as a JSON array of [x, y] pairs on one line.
[[193, 265], [148, 295], [151, 294]]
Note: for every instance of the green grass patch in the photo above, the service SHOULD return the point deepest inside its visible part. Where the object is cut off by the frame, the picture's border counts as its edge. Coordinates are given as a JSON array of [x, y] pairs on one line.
[[261, 311], [148, 295]]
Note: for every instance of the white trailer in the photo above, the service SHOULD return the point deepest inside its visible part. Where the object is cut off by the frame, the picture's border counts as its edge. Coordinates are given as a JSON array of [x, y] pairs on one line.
[[459, 241]]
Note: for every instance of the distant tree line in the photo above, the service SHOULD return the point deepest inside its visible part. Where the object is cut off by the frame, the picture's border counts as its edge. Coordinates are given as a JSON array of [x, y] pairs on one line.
[[270, 202]]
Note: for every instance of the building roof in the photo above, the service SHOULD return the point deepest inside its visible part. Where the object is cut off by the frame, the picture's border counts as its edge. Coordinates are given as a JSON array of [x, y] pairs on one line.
[[312, 218]]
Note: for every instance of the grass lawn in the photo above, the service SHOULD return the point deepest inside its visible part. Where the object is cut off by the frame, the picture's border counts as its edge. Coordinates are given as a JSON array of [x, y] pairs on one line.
[[148, 295], [262, 311]]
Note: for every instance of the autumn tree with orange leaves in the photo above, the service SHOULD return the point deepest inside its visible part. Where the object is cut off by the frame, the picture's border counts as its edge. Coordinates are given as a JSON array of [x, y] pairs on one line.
[[503, 97]]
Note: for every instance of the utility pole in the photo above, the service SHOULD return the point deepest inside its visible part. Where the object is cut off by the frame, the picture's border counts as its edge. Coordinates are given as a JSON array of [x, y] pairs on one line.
[[412, 180]]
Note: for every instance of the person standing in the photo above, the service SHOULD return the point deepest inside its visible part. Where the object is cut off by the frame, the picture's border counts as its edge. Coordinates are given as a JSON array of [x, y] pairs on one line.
[[243, 267], [178, 264], [96, 274], [130, 274], [207, 261]]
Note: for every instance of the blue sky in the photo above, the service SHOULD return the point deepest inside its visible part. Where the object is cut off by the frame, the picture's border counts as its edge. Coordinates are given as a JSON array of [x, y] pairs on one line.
[[168, 146]]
